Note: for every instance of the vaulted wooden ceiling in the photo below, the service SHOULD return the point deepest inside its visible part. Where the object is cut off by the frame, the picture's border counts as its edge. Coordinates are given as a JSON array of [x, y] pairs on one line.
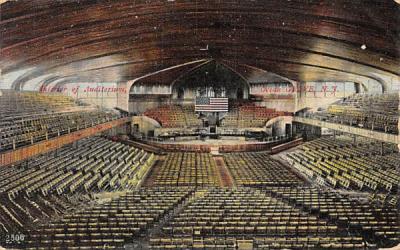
[[47, 41]]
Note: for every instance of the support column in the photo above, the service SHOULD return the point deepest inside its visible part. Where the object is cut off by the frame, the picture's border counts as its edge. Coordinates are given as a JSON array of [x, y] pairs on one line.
[[382, 146]]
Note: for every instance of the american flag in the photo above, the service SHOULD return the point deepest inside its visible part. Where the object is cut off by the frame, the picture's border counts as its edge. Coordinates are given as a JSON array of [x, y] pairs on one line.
[[211, 104]]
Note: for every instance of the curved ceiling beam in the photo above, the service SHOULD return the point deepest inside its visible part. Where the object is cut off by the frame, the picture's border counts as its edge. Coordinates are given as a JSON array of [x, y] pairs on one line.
[[131, 82], [142, 68], [125, 31], [28, 9], [89, 38], [274, 8], [331, 63], [252, 70], [310, 73], [135, 65], [194, 70], [250, 45]]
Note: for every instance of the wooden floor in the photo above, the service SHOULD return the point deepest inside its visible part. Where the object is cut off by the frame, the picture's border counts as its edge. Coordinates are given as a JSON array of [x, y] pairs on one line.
[[225, 176]]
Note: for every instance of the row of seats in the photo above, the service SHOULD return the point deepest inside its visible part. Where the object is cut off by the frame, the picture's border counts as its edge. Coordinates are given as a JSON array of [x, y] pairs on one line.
[[174, 116], [91, 165], [271, 217], [249, 115], [340, 141], [110, 224], [20, 213], [259, 169], [18, 131], [187, 169], [191, 118], [347, 165], [371, 111], [257, 242], [266, 210], [249, 218], [245, 116], [25, 102], [374, 222]]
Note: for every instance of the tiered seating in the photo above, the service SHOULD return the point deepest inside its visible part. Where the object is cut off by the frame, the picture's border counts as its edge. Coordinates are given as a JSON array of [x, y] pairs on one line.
[[259, 169], [187, 169], [18, 214], [19, 102], [191, 119], [169, 116], [18, 131], [95, 164], [245, 116], [231, 119], [255, 116], [249, 115], [377, 112], [347, 165], [227, 218], [111, 224], [375, 223]]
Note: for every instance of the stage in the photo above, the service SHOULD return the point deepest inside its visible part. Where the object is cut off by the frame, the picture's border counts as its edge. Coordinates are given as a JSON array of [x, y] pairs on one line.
[[219, 145], [213, 142]]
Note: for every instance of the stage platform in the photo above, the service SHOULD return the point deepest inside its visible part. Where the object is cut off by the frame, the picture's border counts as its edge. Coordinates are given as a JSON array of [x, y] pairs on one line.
[[216, 146], [213, 142]]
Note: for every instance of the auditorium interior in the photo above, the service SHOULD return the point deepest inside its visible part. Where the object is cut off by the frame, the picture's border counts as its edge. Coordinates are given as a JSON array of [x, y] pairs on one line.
[[177, 124]]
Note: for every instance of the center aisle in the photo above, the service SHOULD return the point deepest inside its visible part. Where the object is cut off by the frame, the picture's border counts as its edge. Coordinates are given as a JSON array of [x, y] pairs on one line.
[[225, 177], [149, 182]]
